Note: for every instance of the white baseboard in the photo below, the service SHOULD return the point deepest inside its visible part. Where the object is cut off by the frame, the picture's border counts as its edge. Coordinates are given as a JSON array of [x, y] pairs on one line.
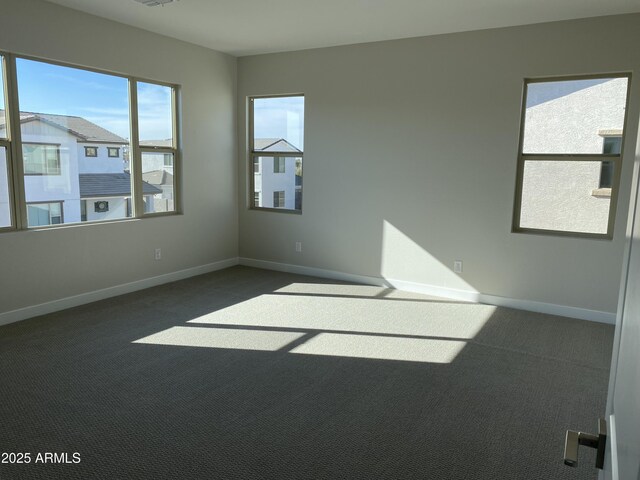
[[450, 293], [88, 297], [314, 272]]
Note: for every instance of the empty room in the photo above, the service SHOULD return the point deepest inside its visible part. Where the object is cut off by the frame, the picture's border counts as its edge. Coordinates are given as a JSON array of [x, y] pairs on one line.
[[357, 239]]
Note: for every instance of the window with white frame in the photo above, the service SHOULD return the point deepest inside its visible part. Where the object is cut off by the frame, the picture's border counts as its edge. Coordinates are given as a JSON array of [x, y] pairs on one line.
[[276, 146], [40, 214], [41, 159], [568, 175], [43, 162], [157, 145]]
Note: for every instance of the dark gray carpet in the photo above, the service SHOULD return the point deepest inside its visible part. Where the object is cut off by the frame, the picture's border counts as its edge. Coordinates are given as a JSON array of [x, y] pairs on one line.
[[96, 380]]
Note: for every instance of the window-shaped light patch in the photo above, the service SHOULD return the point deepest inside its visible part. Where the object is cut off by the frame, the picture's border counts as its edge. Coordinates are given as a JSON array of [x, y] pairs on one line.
[[382, 348], [236, 339]]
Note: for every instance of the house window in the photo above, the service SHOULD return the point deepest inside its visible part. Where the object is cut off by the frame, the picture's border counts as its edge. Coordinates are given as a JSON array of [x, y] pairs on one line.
[[276, 145], [256, 199], [40, 214], [563, 161], [90, 151], [55, 145], [610, 145], [278, 199], [41, 159], [278, 165]]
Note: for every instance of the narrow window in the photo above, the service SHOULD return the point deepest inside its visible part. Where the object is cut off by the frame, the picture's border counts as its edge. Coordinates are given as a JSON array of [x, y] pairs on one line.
[[6, 207], [157, 144], [90, 151], [113, 152], [568, 169], [276, 144]]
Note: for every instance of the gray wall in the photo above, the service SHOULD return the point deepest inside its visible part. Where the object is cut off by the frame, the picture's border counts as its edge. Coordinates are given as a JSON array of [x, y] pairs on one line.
[[410, 160], [39, 266]]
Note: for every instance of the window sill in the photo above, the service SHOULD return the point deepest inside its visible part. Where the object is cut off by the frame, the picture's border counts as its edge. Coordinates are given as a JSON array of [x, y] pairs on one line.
[[601, 192]]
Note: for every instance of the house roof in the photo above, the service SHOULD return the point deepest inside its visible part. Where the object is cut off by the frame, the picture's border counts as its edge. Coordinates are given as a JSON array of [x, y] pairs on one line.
[[273, 145], [158, 177], [110, 185], [80, 127]]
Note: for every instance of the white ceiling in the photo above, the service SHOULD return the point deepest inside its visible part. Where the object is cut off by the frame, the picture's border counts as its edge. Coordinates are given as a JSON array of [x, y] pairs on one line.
[[246, 27]]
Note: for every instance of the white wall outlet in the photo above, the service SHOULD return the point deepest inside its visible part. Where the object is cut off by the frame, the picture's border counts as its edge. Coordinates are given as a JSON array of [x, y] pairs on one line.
[[158, 254], [457, 266], [298, 247]]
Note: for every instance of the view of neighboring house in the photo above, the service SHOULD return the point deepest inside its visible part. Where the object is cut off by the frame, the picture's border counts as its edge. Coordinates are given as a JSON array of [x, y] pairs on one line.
[[277, 180], [157, 170], [75, 171], [572, 195]]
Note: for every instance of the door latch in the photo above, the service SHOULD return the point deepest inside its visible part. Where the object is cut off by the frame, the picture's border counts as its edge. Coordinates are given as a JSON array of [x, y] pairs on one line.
[[575, 439]]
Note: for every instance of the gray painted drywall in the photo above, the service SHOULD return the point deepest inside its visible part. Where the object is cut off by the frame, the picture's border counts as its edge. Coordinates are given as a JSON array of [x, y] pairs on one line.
[[410, 160], [40, 266]]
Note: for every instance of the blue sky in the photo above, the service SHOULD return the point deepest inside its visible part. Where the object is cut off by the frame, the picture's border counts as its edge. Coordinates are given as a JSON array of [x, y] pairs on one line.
[[101, 99], [280, 117]]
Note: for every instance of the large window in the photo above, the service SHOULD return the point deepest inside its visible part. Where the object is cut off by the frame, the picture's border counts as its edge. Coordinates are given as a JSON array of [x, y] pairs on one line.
[[67, 127], [276, 145], [571, 155]]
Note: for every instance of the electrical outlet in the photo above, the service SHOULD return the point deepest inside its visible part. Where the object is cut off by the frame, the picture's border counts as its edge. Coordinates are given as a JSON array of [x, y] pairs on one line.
[[158, 254], [298, 247], [457, 266]]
